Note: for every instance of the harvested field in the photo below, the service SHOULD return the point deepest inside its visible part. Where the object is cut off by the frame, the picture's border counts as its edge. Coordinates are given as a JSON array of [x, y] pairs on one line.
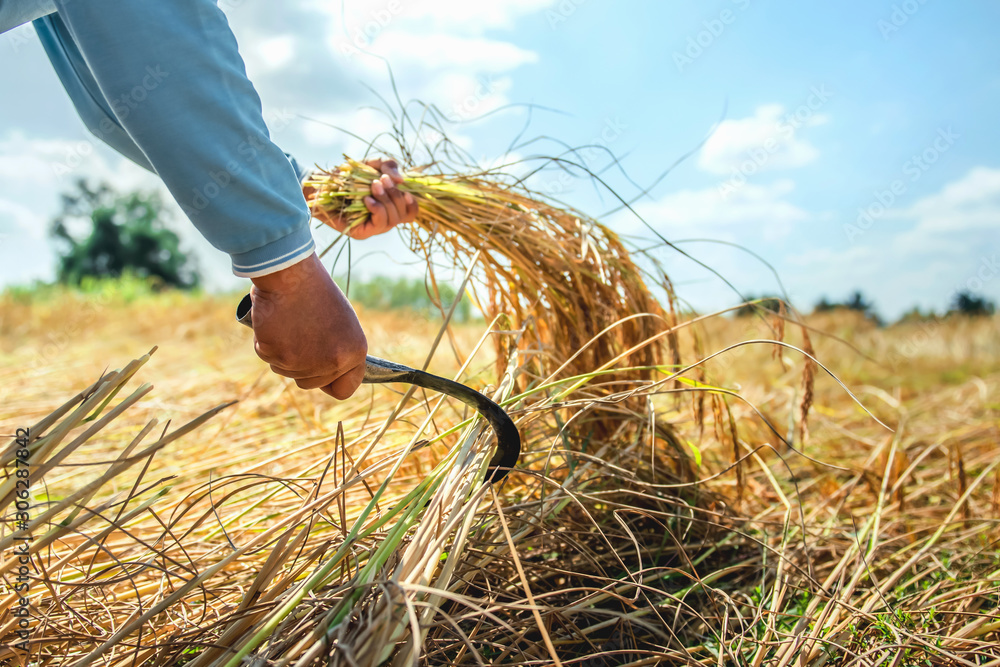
[[712, 542]]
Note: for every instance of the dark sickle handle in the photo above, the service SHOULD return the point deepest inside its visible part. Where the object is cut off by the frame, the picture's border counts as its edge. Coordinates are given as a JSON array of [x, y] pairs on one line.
[[378, 371]]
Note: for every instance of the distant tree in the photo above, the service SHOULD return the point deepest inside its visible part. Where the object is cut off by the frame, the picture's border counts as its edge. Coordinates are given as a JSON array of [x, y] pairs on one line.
[[749, 308], [971, 305], [916, 315], [103, 233], [855, 302], [824, 305]]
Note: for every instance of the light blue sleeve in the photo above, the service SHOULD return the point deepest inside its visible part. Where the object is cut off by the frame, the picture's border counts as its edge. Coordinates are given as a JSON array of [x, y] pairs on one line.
[[18, 12], [164, 84]]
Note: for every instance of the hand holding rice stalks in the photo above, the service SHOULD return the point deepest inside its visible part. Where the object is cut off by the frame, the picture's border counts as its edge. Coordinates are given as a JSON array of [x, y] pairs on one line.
[[551, 268]]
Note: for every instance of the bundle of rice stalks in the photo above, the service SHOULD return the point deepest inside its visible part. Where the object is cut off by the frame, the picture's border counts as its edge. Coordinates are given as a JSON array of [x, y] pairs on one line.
[[565, 277]]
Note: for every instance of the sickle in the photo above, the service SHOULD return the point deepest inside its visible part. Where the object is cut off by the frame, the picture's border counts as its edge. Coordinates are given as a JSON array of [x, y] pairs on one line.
[[379, 371]]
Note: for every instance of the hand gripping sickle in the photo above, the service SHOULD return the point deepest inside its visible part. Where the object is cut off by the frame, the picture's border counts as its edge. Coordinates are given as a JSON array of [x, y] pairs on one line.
[[378, 371]]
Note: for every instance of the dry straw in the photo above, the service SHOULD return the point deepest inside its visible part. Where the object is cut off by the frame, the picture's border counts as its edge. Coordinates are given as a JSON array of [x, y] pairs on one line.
[[638, 529], [564, 276]]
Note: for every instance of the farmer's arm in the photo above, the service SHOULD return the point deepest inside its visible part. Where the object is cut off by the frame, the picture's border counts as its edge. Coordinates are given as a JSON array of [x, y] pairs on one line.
[[176, 85], [172, 85], [118, 96]]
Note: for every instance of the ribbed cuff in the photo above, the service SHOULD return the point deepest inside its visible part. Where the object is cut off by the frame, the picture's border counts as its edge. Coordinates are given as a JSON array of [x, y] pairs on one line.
[[276, 255]]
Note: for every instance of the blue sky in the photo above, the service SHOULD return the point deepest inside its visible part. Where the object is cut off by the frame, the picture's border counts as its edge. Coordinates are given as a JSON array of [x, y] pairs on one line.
[[858, 146]]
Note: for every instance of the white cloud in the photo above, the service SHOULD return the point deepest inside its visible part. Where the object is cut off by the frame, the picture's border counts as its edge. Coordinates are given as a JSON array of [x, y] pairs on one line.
[[27, 163], [461, 72], [948, 244], [458, 16], [24, 218], [858, 258], [759, 208], [465, 15], [968, 204], [274, 53], [765, 141], [456, 53], [449, 54]]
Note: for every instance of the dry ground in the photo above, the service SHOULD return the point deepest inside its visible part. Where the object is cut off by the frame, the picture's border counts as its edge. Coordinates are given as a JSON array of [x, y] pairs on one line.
[[858, 545]]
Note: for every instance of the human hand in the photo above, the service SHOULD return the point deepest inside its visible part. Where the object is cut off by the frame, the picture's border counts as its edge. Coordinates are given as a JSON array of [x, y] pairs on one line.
[[386, 205], [305, 328]]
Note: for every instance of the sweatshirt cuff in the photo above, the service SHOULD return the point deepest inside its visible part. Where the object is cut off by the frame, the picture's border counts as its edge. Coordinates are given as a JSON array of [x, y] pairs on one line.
[[276, 255]]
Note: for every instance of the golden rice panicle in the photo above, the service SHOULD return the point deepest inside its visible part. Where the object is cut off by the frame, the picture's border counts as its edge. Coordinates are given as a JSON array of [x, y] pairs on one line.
[[565, 276]]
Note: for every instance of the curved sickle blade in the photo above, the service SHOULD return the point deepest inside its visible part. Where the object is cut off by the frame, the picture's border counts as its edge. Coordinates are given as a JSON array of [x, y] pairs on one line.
[[379, 371]]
